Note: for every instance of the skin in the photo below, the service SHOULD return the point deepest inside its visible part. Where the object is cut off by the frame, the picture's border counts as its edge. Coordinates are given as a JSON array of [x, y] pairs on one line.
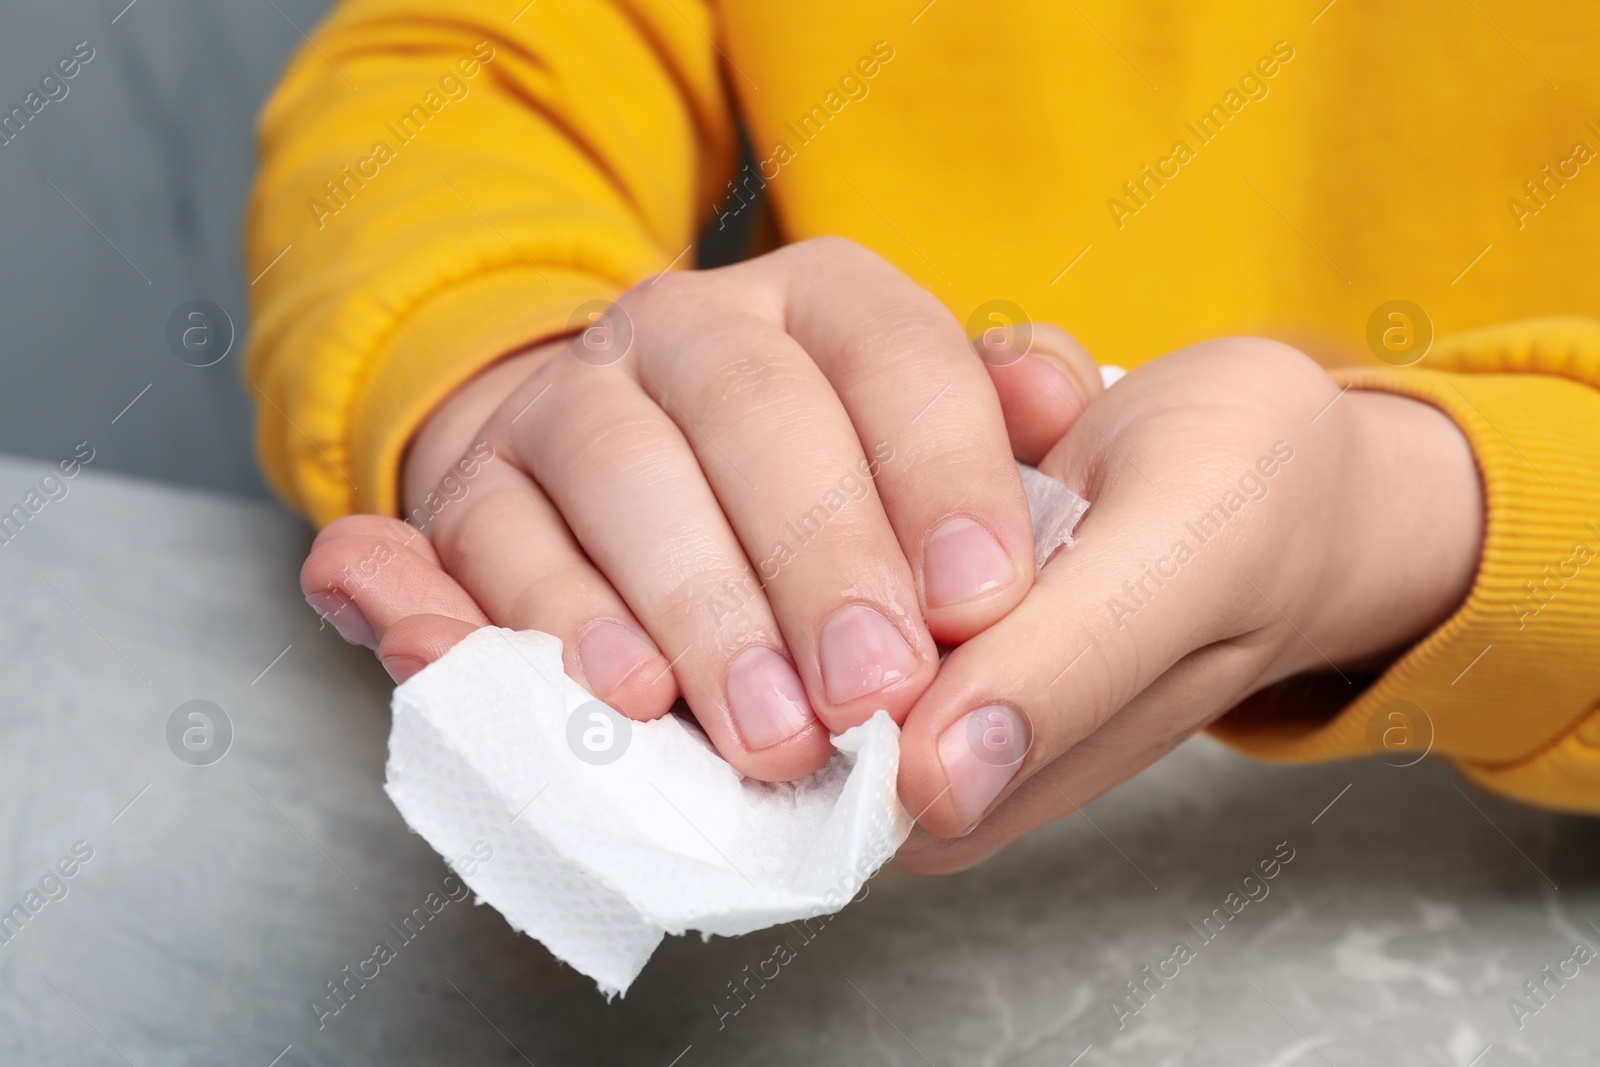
[[633, 485], [1355, 548], [1356, 545]]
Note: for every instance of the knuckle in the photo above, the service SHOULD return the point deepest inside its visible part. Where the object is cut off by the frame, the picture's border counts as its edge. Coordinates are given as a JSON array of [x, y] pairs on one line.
[[1083, 685], [896, 342], [476, 527], [1259, 355], [684, 600], [834, 247], [349, 562], [664, 293], [347, 526], [727, 606], [590, 432], [748, 383], [1269, 356], [538, 594], [840, 260], [606, 446]]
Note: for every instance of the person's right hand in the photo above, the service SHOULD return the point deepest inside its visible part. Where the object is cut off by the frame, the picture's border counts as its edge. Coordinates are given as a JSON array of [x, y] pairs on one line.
[[774, 500]]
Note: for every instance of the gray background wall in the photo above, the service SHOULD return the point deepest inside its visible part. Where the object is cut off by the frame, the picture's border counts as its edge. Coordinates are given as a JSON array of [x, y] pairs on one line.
[[154, 145]]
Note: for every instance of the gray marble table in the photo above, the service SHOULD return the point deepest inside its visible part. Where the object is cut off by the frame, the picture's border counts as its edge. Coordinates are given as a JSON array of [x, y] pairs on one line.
[[219, 900]]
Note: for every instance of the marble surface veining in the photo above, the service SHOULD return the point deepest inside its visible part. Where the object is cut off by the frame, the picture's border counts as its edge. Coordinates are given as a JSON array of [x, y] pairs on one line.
[[221, 900]]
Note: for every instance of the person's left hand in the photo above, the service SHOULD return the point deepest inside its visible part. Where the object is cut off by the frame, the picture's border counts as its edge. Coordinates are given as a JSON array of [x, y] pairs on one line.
[[1249, 522]]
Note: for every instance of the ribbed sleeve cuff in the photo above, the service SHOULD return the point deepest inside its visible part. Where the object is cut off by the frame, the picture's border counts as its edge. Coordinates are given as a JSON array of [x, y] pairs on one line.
[[441, 344]]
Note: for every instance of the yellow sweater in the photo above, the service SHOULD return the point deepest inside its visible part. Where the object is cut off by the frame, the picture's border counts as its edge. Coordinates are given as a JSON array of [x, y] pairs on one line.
[[443, 182]]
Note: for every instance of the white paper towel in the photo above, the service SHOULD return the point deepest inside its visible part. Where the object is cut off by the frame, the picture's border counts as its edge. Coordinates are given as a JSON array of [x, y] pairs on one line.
[[608, 833]]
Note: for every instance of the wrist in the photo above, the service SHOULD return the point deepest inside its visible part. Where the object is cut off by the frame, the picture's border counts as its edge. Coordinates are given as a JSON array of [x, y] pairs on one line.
[[1407, 552]]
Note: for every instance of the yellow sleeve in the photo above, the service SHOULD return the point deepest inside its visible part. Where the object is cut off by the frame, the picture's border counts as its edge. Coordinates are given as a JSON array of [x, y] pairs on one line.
[[1509, 686], [442, 184]]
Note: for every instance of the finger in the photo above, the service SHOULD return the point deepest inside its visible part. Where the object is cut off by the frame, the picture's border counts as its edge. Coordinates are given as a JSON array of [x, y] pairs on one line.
[[784, 460], [1044, 379], [378, 526], [905, 372], [634, 496], [362, 583], [1083, 644], [417, 640], [1167, 713], [513, 553]]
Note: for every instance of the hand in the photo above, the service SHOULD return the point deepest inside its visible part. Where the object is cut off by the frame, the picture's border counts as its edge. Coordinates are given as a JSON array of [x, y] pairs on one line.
[[1249, 523], [813, 412]]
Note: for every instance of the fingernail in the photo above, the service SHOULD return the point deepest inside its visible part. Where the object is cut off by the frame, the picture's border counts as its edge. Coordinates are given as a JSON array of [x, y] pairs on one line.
[[963, 561], [861, 653], [401, 667], [1071, 391], [981, 752], [768, 702], [341, 611], [609, 653]]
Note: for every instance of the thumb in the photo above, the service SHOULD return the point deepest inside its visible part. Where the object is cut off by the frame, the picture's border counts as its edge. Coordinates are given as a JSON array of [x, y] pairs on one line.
[[1044, 377]]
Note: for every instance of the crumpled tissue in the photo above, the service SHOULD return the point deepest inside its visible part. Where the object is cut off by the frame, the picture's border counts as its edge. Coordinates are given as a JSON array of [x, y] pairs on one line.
[[607, 834]]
